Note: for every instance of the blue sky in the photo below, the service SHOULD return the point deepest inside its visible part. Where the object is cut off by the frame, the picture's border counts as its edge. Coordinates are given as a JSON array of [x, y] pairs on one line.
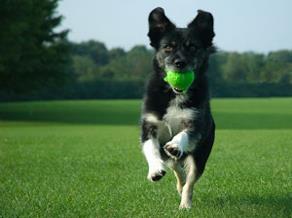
[[249, 25]]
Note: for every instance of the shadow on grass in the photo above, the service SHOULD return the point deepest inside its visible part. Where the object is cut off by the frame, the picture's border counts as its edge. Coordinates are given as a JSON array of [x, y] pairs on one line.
[[107, 113], [74, 117], [248, 206]]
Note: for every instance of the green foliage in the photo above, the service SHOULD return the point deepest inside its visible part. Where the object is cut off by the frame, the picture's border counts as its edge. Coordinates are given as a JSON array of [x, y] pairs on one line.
[[230, 73], [94, 50], [88, 163], [252, 68], [115, 64], [279, 67], [224, 67], [84, 67], [32, 54], [234, 69], [251, 74]]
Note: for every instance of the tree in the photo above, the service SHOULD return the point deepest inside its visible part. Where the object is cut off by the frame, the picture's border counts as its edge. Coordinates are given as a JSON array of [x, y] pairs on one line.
[[116, 53], [32, 54], [282, 56], [254, 65], [215, 69], [84, 68], [95, 50], [278, 67], [139, 59], [234, 69]]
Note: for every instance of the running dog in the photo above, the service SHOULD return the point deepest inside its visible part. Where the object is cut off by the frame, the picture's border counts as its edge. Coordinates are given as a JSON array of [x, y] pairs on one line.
[[178, 129]]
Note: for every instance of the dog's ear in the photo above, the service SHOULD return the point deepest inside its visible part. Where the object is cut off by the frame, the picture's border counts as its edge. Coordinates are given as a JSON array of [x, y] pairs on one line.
[[203, 26], [159, 24]]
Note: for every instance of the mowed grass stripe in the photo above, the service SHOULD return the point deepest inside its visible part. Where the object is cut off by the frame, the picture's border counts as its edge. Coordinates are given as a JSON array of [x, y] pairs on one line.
[[253, 113]]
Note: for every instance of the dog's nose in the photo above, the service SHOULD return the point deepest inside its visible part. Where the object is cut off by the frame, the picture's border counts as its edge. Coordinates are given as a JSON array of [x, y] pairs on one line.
[[180, 64]]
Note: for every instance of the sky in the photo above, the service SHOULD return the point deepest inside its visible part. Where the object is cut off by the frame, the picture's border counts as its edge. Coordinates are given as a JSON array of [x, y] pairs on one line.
[[247, 25]]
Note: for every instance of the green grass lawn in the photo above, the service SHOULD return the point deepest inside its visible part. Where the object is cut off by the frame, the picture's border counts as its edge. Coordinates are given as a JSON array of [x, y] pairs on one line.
[[83, 159]]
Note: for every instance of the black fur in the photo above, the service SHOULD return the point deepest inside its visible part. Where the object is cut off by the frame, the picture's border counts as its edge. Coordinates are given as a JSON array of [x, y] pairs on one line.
[[181, 48]]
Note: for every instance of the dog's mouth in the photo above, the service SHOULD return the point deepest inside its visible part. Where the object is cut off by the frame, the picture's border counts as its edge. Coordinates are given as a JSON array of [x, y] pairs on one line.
[[177, 91]]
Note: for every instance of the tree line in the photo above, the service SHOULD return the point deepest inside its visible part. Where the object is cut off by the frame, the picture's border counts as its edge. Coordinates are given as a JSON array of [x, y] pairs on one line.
[[38, 62], [231, 74]]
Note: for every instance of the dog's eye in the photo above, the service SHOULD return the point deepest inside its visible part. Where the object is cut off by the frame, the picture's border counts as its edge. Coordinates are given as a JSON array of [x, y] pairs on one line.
[[192, 47], [167, 48]]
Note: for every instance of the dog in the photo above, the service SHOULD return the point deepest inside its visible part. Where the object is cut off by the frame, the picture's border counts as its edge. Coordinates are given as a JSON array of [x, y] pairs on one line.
[[177, 128]]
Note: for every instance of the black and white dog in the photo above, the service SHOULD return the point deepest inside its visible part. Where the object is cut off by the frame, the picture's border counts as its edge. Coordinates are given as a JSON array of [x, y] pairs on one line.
[[177, 127]]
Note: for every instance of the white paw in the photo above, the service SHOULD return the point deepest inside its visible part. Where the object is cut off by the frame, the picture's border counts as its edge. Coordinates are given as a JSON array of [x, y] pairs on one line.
[[173, 150], [156, 173], [185, 205]]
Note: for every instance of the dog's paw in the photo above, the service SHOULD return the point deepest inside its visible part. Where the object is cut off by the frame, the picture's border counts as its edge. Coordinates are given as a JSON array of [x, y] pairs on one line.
[[173, 150], [185, 205], [156, 176], [156, 172]]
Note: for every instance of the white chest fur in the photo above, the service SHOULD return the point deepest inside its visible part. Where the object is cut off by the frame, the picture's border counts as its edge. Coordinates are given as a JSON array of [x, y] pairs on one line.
[[172, 121], [175, 117]]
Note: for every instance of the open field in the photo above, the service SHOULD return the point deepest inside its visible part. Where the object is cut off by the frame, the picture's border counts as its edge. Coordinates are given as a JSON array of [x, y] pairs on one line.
[[82, 159]]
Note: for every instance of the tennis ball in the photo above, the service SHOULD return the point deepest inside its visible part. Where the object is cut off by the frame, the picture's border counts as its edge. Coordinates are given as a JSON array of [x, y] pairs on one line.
[[180, 80]]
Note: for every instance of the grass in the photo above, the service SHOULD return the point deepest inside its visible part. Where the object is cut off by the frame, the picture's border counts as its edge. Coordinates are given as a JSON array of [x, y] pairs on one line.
[[82, 159]]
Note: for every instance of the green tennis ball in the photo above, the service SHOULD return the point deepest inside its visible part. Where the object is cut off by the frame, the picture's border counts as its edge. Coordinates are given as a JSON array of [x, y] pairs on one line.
[[181, 80]]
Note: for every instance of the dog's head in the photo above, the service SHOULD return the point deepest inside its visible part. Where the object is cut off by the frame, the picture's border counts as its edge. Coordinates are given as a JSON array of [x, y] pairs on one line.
[[181, 49]]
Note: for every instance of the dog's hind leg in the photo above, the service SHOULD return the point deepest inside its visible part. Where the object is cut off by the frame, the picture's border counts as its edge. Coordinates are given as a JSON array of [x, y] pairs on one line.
[[191, 178], [179, 174]]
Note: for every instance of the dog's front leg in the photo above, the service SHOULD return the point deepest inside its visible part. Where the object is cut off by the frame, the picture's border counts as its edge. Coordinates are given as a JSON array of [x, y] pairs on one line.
[[155, 163], [151, 149], [181, 144]]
